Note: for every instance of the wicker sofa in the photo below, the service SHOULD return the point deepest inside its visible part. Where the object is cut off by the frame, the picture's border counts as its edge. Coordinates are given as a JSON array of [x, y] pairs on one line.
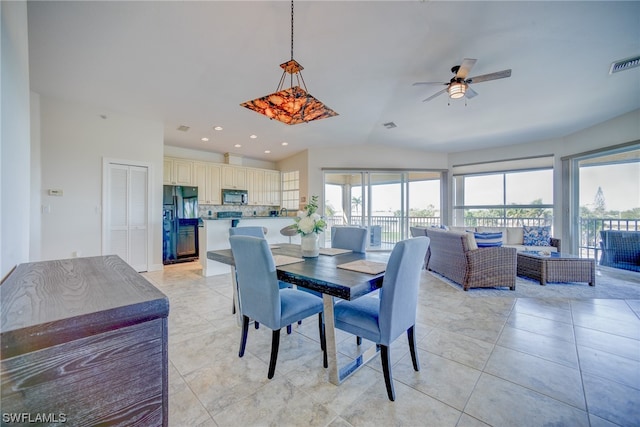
[[456, 256], [513, 238], [620, 249]]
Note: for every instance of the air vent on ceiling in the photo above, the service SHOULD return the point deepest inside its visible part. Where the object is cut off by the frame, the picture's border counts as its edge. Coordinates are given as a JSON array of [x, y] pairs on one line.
[[390, 125], [183, 128], [625, 64]]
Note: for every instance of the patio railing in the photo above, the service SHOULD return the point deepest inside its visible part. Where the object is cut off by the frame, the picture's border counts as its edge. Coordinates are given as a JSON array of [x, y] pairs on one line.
[[589, 246], [386, 230]]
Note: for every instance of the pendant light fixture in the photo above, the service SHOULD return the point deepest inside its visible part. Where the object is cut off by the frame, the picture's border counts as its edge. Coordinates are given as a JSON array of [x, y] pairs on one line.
[[295, 104]]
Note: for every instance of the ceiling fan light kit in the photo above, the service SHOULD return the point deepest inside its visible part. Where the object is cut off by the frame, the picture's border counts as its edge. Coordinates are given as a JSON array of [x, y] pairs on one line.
[[295, 104], [457, 90], [458, 86]]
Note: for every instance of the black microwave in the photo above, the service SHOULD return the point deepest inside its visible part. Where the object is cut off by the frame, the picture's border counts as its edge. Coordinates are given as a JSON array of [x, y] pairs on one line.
[[235, 197]]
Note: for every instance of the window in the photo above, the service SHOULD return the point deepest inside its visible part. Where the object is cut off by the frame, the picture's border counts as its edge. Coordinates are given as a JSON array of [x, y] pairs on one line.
[[386, 201], [505, 198], [291, 190]]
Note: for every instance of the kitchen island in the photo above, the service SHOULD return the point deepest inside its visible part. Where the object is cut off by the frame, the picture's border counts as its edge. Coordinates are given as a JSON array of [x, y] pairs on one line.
[[214, 235]]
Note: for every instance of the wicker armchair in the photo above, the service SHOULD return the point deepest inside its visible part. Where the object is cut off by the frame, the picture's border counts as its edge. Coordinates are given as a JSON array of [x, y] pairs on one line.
[[620, 249], [456, 256]]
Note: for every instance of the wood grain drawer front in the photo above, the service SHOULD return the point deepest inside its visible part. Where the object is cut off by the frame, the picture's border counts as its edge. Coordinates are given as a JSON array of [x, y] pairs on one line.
[[114, 378]]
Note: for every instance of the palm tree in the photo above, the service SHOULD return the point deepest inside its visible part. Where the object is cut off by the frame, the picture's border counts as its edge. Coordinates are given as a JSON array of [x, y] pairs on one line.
[[357, 201]]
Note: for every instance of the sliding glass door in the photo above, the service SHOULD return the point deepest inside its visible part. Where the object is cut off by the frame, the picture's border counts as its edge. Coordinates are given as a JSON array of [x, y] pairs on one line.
[[387, 202], [608, 196]]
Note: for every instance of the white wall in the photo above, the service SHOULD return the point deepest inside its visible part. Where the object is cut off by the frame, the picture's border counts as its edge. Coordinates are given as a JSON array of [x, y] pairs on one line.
[[35, 223], [14, 134], [298, 162], [74, 140]]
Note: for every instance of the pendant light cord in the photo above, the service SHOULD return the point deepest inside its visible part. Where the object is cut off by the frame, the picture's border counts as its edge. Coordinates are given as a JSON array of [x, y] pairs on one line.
[[291, 29]]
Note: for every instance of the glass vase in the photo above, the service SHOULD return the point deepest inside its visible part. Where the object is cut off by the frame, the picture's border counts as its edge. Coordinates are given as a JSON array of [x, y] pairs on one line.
[[310, 245]]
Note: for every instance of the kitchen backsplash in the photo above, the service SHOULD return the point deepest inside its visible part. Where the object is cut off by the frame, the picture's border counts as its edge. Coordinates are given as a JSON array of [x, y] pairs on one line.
[[211, 210]]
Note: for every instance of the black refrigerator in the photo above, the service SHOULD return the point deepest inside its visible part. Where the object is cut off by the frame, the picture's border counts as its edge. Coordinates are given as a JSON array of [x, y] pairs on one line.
[[180, 224]]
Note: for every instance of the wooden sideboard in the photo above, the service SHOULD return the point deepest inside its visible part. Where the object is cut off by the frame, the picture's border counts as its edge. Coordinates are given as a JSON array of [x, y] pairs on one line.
[[83, 341]]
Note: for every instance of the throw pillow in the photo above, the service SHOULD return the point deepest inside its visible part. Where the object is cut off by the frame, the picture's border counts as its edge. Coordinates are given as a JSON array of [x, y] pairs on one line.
[[536, 236], [443, 227], [487, 240]]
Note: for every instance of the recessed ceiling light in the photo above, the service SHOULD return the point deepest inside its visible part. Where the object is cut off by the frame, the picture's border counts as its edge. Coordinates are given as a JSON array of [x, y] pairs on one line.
[[217, 128], [253, 136], [285, 143], [205, 139], [267, 151], [237, 145]]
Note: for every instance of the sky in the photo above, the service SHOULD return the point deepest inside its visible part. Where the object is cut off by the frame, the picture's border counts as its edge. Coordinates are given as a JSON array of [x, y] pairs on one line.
[[620, 185]]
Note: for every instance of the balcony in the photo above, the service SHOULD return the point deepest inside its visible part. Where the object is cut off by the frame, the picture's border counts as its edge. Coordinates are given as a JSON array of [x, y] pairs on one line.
[[589, 228]]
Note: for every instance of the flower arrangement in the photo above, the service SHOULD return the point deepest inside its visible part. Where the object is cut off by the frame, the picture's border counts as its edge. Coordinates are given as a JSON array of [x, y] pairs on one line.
[[309, 221]]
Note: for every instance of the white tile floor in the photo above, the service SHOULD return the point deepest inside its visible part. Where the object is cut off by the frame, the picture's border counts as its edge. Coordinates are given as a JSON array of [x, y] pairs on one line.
[[485, 361]]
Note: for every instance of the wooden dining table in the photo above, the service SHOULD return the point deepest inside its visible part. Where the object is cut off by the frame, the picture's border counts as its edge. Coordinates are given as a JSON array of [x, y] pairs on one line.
[[323, 274]]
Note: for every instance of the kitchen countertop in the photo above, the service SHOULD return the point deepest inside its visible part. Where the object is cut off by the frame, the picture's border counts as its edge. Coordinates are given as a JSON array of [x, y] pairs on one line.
[[213, 218]]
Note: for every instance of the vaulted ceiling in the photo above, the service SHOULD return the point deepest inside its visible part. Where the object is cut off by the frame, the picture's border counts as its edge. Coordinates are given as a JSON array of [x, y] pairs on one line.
[[193, 63]]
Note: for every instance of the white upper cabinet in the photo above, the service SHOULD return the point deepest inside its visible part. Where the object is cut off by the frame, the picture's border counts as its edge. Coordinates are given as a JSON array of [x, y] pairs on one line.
[[263, 185], [207, 177], [177, 171], [234, 177], [272, 188], [255, 186]]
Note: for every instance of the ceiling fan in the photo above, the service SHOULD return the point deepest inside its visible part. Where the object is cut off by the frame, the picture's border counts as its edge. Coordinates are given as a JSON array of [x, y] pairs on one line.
[[458, 86]]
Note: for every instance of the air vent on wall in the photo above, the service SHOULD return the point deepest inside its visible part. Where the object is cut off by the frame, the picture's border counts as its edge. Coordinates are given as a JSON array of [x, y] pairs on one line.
[[183, 128], [625, 64]]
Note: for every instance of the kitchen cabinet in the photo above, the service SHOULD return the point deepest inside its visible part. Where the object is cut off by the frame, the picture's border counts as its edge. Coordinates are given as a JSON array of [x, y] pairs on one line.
[[255, 186], [263, 185], [272, 187], [207, 177], [233, 177], [177, 171]]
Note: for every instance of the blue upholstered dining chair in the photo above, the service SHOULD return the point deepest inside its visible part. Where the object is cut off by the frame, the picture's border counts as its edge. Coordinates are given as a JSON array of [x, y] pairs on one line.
[[384, 319], [247, 231], [350, 237], [259, 232], [263, 300]]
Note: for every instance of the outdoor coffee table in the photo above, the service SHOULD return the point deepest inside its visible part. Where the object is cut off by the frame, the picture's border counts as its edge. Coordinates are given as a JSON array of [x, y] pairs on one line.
[[556, 267]]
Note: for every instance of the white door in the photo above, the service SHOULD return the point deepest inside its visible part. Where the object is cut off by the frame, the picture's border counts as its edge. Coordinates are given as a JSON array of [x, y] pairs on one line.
[[126, 213]]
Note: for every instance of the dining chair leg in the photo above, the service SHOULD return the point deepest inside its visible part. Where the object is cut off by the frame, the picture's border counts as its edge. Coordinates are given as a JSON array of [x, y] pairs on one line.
[[243, 336], [321, 331], [323, 341], [256, 324], [275, 343], [288, 329], [359, 340], [412, 347], [386, 369]]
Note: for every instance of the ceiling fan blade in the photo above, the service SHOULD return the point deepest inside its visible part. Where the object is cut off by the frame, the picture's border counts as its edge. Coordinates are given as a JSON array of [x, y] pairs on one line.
[[429, 83], [434, 95], [465, 67], [470, 93], [492, 76]]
